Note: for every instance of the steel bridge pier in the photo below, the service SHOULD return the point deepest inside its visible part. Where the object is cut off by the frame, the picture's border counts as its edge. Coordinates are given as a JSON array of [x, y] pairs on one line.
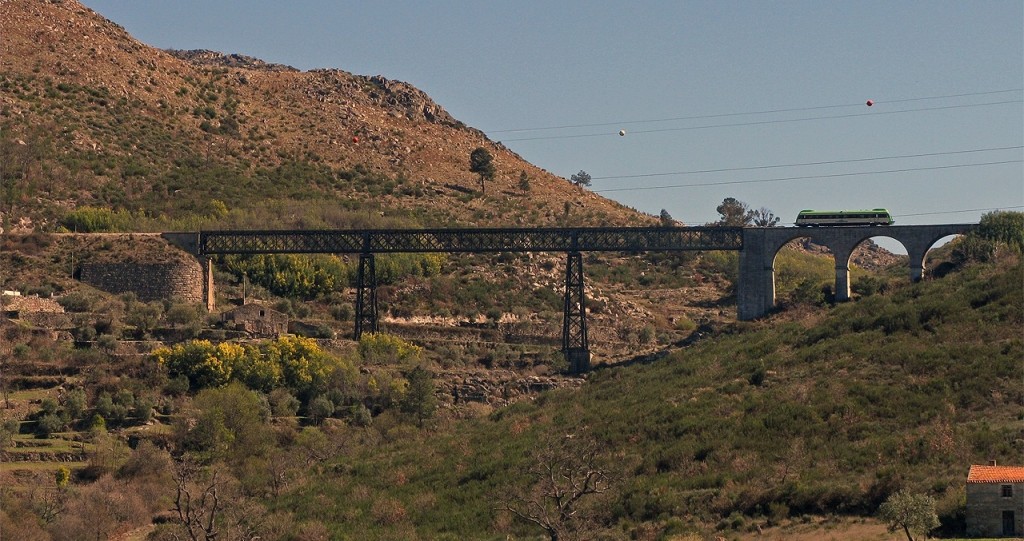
[[366, 296], [574, 323], [367, 243]]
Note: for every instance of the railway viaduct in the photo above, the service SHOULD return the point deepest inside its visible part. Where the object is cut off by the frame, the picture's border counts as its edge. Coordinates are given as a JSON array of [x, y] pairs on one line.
[[757, 247], [755, 292]]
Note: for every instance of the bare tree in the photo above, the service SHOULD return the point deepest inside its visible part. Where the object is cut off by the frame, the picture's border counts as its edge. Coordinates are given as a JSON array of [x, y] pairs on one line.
[[4, 365], [99, 510], [763, 217], [564, 473], [197, 501]]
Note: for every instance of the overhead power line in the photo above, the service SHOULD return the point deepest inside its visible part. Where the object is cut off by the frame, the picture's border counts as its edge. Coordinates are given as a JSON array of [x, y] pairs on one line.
[[805, 164], [764, 122], [765, 112], [962, 211], [807, 177]]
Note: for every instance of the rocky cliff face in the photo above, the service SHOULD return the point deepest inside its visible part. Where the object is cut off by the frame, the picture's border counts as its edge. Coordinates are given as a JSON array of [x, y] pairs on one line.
[[205, 57]]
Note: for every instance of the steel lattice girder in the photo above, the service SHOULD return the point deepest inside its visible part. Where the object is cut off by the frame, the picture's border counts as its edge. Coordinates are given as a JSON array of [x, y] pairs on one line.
[[584, 239]]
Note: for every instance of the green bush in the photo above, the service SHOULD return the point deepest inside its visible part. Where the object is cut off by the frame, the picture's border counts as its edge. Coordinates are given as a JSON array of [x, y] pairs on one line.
[[1003, 226], [382, 348], [98, 220], [295, 362], [48, 424]]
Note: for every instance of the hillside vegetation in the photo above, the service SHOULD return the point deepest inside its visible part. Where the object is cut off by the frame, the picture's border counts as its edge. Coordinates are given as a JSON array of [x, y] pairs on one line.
[[764, 424], [128, 419], [814, 411]]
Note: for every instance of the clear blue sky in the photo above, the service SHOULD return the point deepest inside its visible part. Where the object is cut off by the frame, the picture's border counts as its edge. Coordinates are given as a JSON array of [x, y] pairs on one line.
[[752, 88]]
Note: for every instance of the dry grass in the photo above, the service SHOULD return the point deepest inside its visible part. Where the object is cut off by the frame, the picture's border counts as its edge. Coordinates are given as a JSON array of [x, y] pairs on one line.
[[824, 529]]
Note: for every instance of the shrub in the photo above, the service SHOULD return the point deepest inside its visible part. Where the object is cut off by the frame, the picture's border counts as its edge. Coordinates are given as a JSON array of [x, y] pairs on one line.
[[231, 422], [283, 403], [48, 424], [1003, 226], [76, 302], [197, 361], [320, 408], [96, 220], [382, 348]]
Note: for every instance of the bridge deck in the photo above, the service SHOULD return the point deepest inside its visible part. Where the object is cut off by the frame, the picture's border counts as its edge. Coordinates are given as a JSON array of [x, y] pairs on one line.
[[583, 239]]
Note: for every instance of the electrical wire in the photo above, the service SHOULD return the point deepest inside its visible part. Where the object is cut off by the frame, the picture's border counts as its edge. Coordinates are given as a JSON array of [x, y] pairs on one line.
[[808, 177], [957, 211], [804, 164], [770, 111], [764, 122]]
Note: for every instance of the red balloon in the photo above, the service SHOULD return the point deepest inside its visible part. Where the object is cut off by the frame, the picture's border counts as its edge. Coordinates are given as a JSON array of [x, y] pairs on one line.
[[355, 139], [870, 103]]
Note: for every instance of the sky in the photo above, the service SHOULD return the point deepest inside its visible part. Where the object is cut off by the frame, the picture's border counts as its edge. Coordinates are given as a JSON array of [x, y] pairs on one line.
[[765, 102]]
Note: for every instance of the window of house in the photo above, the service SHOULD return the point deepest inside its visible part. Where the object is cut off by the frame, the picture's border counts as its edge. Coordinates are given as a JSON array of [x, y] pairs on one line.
[[1007, 491]]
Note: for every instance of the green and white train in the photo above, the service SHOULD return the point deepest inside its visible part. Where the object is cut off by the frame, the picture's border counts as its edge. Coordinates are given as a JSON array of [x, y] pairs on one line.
[[824, 218]]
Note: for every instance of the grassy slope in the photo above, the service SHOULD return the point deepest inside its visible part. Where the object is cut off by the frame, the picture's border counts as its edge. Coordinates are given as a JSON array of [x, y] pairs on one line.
[[776, 418]]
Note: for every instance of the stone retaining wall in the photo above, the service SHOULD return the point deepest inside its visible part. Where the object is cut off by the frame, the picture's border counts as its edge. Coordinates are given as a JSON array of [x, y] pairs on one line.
[[179, 280]]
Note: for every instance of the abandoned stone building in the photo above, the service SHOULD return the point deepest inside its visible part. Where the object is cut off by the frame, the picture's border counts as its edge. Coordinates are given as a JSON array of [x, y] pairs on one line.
[[256, 320], [995, 501], [38, 313]]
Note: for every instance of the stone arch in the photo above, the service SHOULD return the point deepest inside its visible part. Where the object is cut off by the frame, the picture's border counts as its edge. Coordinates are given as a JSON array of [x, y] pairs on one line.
[[840, 242], [756, 288], [803, 237], [932, 246], [868, 237], [919, 245]]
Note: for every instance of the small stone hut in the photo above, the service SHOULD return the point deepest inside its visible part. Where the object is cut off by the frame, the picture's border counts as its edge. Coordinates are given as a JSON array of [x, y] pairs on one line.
[[256, 320], [995, 501], [35, 311]]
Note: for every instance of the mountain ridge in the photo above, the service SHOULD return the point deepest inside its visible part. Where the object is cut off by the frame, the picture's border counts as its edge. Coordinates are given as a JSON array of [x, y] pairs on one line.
[[78, 90]]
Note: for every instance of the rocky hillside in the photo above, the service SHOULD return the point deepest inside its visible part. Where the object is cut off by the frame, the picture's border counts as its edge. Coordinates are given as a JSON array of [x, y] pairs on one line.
[[91, 116]]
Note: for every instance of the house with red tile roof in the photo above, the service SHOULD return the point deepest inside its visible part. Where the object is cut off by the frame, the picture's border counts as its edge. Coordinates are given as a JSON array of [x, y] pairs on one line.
[[995, 501]]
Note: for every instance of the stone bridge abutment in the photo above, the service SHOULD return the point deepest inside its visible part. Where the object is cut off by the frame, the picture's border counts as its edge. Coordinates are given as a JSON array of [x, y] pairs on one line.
[[756, 287]]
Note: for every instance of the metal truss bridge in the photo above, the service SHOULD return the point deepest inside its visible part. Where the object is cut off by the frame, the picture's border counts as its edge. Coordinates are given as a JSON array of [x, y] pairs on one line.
[[571, 241], [380, 241]]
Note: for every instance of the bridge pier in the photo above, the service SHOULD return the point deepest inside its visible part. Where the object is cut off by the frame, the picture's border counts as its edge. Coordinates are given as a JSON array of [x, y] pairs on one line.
[[209, 300], [841, 254], [575, 344], [916, 252], [366, 296], [755, 290]]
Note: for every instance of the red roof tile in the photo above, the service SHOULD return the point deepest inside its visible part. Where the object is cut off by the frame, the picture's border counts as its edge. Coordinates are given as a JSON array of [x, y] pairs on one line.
[[996, 474]]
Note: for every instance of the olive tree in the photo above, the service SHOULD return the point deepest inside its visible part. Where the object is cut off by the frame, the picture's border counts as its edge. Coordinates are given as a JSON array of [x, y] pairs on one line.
[[912, 513]]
